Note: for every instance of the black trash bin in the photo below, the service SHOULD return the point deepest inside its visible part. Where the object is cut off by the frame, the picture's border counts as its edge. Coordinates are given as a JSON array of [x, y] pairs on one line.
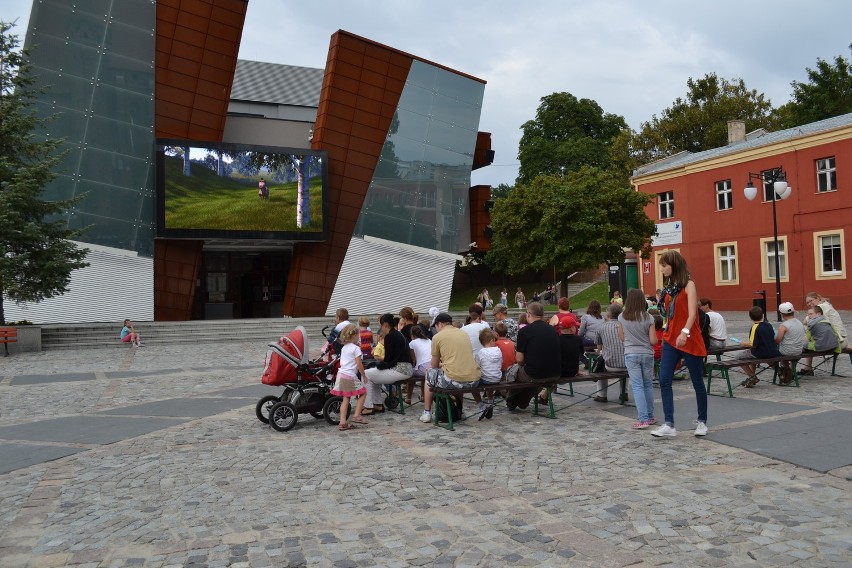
[[760, 302]]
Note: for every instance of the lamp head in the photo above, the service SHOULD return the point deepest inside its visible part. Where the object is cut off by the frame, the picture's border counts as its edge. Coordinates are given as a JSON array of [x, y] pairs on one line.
[[750, 191]]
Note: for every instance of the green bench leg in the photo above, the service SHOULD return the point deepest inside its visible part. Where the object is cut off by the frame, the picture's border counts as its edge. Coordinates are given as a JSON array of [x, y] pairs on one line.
[[396, 392], [623, 396], [552, 413], [441, 398]]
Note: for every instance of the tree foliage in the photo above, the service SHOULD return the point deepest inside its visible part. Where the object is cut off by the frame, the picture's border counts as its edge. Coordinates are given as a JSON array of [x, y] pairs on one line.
[[36, 256], [581, 220], [566, 134], [827, 93], [700, 121]]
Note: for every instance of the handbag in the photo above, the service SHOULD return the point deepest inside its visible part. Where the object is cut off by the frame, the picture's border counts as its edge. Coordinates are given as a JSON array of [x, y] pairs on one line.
[[598, 366]]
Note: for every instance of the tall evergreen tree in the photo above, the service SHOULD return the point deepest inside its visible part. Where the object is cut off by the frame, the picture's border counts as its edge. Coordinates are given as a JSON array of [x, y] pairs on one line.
[[36, 255]]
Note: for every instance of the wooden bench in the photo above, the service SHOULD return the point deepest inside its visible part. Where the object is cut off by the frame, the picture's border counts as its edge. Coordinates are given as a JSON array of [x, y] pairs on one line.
[[8, 335], [772, 362], [833, 355], [445, 395]]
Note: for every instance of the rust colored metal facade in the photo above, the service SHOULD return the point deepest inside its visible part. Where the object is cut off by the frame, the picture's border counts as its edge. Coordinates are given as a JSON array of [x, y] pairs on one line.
[[197, 45], [360, 93]]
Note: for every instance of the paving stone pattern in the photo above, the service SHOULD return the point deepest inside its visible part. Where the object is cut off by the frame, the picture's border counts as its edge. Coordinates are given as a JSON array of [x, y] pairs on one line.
[[222, 489]]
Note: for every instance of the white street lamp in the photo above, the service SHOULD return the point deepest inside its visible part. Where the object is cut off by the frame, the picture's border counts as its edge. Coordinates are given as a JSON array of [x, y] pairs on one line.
[[781, 190]]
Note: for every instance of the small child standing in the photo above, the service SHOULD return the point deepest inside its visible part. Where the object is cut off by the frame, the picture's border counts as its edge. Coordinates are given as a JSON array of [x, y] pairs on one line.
[[421, 355], [636, 330], [347, 384], [658, 329], [365, 335], [490, 361]]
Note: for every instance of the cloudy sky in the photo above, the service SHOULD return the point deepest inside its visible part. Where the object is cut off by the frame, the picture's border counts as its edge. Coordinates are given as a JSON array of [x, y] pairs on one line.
[[632, 57]]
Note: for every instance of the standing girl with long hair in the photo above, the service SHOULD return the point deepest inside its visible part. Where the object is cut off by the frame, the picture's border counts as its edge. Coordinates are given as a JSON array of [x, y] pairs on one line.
[[681, 340], [347, 384], [636, 330]]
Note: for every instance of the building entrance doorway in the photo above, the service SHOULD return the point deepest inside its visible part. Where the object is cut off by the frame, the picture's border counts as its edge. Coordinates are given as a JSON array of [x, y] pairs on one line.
[[241, 285]]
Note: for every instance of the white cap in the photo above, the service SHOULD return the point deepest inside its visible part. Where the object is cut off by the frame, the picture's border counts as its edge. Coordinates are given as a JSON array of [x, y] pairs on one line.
[[786, 308], [433, 313]]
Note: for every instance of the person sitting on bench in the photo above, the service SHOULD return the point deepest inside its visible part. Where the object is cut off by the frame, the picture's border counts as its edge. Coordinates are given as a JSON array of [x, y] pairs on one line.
[[820, 336], [790, 338], [452, 364], [538, 355], [762, 344]]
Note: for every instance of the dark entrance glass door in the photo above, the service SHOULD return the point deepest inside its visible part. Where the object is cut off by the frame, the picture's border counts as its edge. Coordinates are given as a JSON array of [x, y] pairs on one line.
[[243, 284]]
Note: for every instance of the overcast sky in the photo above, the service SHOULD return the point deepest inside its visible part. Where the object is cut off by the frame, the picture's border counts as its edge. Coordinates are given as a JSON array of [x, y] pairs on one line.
[[632, 57]]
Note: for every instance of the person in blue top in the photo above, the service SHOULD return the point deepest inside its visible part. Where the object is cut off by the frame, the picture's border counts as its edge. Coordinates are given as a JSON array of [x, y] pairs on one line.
[[129, 335], [761, 345]]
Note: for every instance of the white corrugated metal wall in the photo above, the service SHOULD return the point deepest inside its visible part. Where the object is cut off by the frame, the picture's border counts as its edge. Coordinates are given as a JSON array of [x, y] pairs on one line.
[[116, 285], [381, 276]]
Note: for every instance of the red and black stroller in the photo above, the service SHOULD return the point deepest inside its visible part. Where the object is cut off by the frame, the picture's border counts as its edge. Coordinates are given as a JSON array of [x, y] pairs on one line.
[[307, 383]]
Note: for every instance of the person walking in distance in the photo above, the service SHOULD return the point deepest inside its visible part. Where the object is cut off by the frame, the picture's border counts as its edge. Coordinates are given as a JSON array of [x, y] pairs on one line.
[[681, 340]]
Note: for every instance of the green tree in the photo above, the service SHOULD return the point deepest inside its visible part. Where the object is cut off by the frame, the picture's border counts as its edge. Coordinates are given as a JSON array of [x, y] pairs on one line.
[[36, 256], [500, 191], [575, 221], [700, 121], [827, 93], [566, 134]]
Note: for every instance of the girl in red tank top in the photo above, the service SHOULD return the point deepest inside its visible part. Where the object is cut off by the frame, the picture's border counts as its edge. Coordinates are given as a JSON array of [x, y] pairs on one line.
[[683, 340]]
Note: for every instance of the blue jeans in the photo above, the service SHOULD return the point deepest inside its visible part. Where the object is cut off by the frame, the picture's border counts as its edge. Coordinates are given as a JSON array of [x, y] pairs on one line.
[[640, 368], [671, 356]]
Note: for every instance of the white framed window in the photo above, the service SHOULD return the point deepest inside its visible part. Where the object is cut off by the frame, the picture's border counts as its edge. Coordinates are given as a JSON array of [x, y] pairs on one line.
[[665, 200], [829, 254], [826, 175], [769, 187], [724, 195], [726, 263], [767, 251]]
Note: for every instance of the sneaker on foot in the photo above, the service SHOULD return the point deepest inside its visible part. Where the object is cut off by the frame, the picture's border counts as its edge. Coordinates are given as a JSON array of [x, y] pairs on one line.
[[665, 431], [700, 428], [426, 417], [640, 425]]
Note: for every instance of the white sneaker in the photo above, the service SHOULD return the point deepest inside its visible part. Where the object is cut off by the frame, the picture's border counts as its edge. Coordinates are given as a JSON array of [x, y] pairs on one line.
[[664, 431], [426, 417], [700, 428]]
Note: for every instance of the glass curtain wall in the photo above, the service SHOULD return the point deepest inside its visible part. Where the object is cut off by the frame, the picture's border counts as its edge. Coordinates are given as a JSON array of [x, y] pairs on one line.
[[95, 59], [419, 192]]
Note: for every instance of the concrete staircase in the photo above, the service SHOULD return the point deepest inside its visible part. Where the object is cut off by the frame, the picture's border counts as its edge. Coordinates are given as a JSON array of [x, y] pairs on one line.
[[98, 335]]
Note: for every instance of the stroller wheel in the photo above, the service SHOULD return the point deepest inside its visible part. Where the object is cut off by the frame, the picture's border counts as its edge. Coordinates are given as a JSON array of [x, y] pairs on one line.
[[331, 410], [391, 401], [263, 407], [283, 416]]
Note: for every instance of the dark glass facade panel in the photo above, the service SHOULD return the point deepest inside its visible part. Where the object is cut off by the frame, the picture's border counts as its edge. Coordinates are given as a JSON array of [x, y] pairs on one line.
[[419, 192], [95, 58]]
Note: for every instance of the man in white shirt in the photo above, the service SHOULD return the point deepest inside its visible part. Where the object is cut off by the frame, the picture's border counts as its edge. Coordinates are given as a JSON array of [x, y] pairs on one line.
[[718, 329]]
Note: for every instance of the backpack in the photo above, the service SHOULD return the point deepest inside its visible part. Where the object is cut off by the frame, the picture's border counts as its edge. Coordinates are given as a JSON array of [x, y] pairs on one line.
[[441, 411]]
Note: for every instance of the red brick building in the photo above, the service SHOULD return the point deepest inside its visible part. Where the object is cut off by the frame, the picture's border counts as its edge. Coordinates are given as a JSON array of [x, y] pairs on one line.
[[701, 210]]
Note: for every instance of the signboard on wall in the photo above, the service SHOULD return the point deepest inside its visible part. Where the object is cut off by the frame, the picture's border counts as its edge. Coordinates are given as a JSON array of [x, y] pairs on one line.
[[646, 267], [668, 234]]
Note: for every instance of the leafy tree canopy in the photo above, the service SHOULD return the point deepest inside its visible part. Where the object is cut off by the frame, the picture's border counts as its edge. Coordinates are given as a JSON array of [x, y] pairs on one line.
[[566, 134], [581, 220], [700, 121], [827, 93], [36, 256]]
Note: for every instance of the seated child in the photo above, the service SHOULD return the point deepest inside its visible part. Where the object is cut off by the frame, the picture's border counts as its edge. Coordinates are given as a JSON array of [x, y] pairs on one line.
[[379, 349], [790, 338], [762, 345], [421, 357], [365, 335], [490, 361], [506, 345], [820, 334], [129, 335]]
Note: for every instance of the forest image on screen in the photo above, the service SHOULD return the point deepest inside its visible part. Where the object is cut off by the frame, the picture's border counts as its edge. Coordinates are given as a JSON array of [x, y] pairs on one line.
[[219, 189]]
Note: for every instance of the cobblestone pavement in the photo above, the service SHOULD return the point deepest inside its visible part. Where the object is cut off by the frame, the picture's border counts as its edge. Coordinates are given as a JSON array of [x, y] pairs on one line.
[[225, 490]]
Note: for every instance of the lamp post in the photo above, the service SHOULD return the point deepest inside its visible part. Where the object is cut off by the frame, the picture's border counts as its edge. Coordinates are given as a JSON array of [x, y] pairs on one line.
[[781, 190]]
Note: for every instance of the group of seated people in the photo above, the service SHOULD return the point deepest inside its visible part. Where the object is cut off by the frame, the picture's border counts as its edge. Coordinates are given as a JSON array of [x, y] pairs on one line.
[[444, 353], [821, 331]]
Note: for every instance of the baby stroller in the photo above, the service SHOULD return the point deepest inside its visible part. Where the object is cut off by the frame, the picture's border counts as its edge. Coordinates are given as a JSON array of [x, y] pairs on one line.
[[307, 383]]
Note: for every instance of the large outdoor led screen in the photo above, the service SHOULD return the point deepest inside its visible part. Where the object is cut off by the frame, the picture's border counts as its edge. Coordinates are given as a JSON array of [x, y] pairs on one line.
[[211, 190]]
